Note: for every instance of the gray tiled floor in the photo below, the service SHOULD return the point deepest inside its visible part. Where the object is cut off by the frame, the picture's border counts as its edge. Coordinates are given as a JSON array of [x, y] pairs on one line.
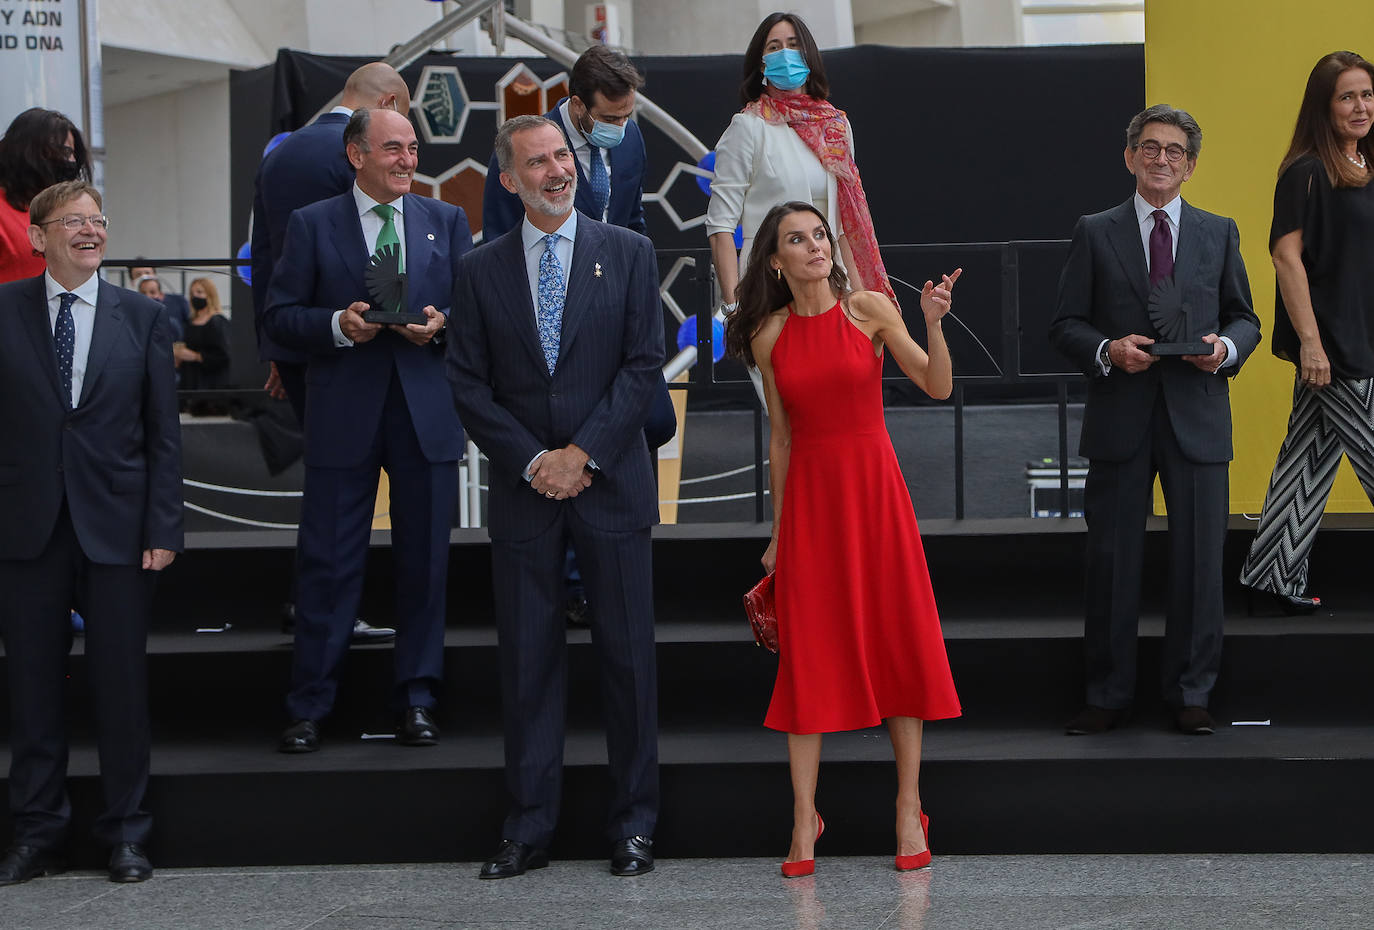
[[1003, 892]]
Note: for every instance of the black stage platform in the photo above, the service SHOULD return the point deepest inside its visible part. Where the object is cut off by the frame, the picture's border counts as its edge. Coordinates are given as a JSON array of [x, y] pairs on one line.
[[1287, 772]]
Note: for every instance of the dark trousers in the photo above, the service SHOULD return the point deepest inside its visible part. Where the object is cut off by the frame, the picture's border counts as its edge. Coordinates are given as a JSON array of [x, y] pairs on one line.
[[35, 622], [292, 376], [336, 521], [527, 577], [1116, 504]]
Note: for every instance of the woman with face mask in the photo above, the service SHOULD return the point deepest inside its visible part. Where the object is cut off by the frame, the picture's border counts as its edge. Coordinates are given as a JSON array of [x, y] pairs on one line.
[[788, 143], [203, 359], [40, 148]]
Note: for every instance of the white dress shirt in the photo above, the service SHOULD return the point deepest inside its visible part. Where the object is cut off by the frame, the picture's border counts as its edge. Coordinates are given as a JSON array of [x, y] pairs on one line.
[[533, 239], [83, 318], [582, 151], [372, 228]]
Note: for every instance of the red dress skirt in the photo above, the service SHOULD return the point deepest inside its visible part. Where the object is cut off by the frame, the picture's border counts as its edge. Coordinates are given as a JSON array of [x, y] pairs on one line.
[[858, 634]]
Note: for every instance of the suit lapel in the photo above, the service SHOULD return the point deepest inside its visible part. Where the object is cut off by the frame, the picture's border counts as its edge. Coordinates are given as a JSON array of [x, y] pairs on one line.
[[346, 234], [419, 247], [109, 320], [583, 281], [1189, 249], [510, 249], [1125, 239], [34, 313]]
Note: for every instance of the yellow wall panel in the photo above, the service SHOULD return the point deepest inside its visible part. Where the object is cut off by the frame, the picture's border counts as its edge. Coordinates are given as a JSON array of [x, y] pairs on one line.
[[1240, 66]]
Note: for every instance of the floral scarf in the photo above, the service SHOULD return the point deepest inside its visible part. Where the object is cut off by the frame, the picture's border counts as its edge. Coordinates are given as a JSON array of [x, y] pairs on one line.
[[823, 128]]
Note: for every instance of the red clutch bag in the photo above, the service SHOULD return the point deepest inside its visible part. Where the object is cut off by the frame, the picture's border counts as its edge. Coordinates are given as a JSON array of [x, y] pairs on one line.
[[763, 613]]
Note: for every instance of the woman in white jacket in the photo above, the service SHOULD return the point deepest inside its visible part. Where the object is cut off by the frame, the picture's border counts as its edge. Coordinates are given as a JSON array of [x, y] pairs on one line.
[[788, 143]]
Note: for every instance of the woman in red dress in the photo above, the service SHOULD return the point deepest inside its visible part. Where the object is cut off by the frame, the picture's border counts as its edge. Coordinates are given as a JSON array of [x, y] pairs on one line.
[[859, 637]]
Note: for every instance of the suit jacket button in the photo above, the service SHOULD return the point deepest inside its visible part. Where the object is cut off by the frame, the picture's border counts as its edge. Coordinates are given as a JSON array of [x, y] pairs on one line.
[[553, 393]]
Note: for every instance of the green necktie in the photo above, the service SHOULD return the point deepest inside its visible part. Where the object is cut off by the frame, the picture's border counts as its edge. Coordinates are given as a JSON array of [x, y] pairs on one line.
[[388, 234]]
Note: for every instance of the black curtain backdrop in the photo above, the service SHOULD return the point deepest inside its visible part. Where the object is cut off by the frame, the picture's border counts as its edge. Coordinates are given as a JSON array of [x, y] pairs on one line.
[[955, 145]]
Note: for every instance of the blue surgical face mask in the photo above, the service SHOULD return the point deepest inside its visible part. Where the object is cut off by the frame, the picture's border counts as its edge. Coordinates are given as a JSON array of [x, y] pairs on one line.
[[606, 135], [785, 69]]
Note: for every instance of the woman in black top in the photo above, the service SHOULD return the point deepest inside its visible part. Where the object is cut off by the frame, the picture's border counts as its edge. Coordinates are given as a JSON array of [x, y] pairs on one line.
[[1322, 243], [203, 359]]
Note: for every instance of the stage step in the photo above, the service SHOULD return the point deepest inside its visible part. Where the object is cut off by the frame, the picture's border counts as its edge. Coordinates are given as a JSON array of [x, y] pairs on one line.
[[1001, 779], [1143, 790]]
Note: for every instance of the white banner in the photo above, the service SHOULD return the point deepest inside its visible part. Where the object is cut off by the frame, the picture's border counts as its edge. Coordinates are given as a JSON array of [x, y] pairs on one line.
[[43, 59]]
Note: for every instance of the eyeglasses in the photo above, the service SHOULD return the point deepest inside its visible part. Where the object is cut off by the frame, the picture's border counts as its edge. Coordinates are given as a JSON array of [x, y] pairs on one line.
[[76, 221], [1173, 151]]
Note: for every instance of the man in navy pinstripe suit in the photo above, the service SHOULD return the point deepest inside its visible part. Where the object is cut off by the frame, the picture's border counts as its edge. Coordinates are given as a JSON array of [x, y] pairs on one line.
[[556, 347]]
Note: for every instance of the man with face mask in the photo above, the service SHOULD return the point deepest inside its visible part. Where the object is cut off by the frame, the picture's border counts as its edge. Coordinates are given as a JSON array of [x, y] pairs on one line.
[[605, 142]]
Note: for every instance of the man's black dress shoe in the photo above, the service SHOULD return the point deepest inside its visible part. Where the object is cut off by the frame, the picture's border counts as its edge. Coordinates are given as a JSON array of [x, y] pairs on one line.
[[417, 728], [1093, 719], [513, 858], [1195, 721], [301, 736], [129, 863], [22, 863], [633, 855], [363, 633]]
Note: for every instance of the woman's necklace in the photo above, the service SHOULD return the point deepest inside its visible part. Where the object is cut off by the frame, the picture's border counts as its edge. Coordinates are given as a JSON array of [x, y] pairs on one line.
[[1358, 162]]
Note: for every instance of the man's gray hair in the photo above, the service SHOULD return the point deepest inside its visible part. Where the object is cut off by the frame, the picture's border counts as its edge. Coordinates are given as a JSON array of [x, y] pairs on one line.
[[505, 149], [355, 133], [1163, 113]]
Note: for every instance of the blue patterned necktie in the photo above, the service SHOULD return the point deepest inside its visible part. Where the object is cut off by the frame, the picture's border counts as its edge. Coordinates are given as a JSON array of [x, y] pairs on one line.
[[601, 184], [64, 339], [550, 314]]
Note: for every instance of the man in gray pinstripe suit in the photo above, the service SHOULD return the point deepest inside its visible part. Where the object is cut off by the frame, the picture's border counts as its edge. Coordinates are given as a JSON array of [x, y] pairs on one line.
[[556, 345]]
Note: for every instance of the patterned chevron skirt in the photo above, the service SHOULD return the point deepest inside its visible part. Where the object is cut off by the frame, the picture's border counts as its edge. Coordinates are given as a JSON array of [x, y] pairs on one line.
[[1339, 419]]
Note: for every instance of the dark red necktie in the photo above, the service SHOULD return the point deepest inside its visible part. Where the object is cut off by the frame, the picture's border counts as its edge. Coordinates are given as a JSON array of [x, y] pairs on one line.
[[1161, 249]]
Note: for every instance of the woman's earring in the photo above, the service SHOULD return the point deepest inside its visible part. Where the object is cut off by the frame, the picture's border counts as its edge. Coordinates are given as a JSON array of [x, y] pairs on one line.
[[778, 272]]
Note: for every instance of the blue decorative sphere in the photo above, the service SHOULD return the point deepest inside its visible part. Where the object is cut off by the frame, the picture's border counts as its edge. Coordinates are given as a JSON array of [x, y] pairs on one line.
[[245, 272], [274, 142], [687, 336], [707, 163]]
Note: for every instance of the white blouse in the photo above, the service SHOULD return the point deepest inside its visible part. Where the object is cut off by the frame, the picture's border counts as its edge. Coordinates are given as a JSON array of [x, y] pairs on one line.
[[760, 165]]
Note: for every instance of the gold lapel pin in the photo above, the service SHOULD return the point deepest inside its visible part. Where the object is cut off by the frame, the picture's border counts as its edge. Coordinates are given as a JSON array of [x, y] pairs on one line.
[[598, 270]]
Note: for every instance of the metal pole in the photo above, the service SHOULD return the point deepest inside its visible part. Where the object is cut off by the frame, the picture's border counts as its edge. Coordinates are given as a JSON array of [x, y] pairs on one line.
[[474, 463], [958, 451], [1063, 448]]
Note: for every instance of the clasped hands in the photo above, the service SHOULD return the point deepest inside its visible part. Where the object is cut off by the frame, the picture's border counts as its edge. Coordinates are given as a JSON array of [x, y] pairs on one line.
[[352, 324], [561, 473], [1130, 355]]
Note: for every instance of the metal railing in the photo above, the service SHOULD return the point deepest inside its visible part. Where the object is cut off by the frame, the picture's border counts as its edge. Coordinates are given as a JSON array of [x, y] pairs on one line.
[[990, 348]]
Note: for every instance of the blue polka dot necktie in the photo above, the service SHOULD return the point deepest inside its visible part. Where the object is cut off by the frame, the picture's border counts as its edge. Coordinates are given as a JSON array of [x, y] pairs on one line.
[[64, 339], [601, 184], [551, 292]]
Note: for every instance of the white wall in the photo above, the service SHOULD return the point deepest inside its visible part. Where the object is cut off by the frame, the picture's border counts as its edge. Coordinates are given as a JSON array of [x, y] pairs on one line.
[[718, 27], [167, 174]]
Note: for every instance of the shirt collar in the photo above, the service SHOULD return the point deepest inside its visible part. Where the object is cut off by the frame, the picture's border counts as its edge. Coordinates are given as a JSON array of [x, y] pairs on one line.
[[87, 291], [342, 109], [531, 235], [366, 203], [570, 126], [1174, 209]]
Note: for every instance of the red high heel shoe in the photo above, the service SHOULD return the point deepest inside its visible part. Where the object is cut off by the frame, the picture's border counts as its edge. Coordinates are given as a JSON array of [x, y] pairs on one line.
[[804, 866], [921, 859]]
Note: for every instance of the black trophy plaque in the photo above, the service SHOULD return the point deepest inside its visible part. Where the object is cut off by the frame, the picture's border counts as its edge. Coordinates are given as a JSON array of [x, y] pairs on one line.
[[386, 286], [1173, 320]]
